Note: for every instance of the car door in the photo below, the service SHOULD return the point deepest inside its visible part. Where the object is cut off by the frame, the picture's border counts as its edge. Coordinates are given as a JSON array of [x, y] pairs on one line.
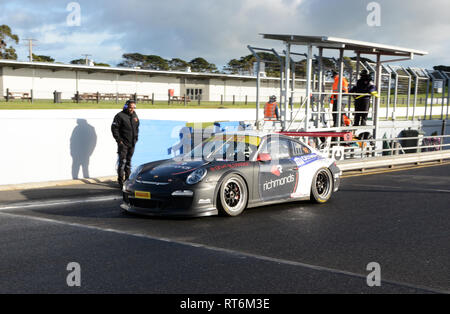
[[277, 178], [304, 158]]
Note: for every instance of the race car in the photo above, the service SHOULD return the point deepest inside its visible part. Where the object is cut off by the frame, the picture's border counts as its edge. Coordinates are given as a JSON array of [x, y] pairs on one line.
[[230, 172]]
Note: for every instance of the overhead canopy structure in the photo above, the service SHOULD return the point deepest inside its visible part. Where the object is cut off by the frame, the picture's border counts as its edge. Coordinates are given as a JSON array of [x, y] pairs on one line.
[[341, 45], [362, 47]]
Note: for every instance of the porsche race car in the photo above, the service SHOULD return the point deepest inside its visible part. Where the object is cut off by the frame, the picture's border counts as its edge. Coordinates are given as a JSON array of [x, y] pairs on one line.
[[230, 172]]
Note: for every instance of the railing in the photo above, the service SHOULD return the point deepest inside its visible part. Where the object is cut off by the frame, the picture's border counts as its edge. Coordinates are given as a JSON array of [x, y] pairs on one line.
[[393, 161]]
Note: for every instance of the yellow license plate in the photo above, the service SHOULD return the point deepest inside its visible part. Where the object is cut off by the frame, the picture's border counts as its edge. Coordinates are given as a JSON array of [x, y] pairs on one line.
[[142, 194]]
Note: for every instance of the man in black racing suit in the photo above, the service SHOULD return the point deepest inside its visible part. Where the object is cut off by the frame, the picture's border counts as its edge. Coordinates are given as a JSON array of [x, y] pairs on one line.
[[125, 129]]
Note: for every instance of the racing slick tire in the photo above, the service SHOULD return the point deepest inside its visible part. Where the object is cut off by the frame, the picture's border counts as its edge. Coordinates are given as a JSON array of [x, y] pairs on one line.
[[322, 186], [233, 196]]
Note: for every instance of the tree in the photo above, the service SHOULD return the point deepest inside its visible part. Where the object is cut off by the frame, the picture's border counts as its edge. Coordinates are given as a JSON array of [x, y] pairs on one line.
[[101, 64], [363, 60], [78, 61], [245, 64], [42, 58], [5, 51], [201, 65], [132, 60], [153, 62], [442, 68], [234, 66], [83, 62], [177, 64]]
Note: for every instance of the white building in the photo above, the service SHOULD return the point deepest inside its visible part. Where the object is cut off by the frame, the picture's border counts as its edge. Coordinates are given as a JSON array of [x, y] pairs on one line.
[[45, 78]]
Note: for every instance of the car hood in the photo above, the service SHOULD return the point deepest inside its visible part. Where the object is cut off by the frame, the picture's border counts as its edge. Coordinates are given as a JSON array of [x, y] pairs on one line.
[[170, 170]]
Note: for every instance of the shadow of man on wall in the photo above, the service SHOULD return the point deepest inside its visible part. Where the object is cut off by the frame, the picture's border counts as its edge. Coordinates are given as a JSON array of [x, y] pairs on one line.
[[82, 145]]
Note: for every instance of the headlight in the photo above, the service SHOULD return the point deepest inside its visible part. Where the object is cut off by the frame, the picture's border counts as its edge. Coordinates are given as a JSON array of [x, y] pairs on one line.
[[196, 176], [135, 172]]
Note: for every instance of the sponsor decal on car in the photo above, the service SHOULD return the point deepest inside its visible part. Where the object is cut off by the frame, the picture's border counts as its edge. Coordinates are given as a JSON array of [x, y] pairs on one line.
[[181, 167], [230, 166], [142, 195], [306, 159], [277, 170], [271, 184]]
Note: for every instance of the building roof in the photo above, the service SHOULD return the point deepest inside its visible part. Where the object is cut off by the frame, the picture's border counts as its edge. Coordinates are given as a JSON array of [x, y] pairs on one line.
[[347, 44], [122, 70]]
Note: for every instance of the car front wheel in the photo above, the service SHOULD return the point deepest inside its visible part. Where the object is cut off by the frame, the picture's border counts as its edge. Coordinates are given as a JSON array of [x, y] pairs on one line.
[[233, 196], [322, 186]]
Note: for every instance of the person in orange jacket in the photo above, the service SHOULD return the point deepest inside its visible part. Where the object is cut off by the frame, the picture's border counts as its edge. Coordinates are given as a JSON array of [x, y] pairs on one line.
[[334, 96], [271, 110]]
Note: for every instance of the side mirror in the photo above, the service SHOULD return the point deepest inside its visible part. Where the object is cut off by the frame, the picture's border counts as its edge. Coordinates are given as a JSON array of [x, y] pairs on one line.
[[264, 157]]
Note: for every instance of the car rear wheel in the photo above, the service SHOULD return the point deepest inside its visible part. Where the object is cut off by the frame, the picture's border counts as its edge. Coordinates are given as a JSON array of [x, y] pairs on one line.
[[322, 186], [233, 196]]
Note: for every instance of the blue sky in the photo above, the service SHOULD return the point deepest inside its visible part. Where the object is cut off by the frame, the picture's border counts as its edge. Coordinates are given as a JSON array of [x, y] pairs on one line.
[[220, 30]]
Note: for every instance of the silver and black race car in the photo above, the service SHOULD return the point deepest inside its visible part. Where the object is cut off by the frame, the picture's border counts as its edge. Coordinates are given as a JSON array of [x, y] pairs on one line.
[[230, 172]]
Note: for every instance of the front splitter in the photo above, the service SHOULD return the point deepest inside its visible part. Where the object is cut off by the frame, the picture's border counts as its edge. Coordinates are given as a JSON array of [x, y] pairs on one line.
[[168, 213]]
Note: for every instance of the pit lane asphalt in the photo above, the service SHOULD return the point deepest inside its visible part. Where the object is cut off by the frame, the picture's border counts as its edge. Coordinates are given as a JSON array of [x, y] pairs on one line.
[[400, 220]]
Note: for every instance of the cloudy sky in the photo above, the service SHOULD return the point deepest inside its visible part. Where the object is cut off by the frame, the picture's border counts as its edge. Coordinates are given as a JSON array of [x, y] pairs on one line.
[[219, 30]]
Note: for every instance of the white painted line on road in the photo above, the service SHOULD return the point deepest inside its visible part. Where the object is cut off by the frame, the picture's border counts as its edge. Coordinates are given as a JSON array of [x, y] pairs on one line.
[[398, 187], [228, 251], [68, 201]]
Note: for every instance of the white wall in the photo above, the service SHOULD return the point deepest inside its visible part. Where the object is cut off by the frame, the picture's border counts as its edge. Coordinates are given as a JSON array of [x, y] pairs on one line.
[[36, 144]]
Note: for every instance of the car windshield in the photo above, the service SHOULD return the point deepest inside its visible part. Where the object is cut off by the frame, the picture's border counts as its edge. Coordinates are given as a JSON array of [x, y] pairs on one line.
[[230, 147]]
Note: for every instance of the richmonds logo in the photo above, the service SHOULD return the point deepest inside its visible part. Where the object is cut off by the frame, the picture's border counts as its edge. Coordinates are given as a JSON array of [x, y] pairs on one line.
[[271, 184], [277, 170]]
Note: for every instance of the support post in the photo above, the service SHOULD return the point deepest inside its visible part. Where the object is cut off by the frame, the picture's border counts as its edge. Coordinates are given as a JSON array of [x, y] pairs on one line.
[[308, 85], [291, 99], [408, 98], [416, 88], [320, 103], [432, 96], [426, 97], [376, 108], [443, 99], [258, 61], [286, 84], [395, 92], [341, 74], [388, 99]]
